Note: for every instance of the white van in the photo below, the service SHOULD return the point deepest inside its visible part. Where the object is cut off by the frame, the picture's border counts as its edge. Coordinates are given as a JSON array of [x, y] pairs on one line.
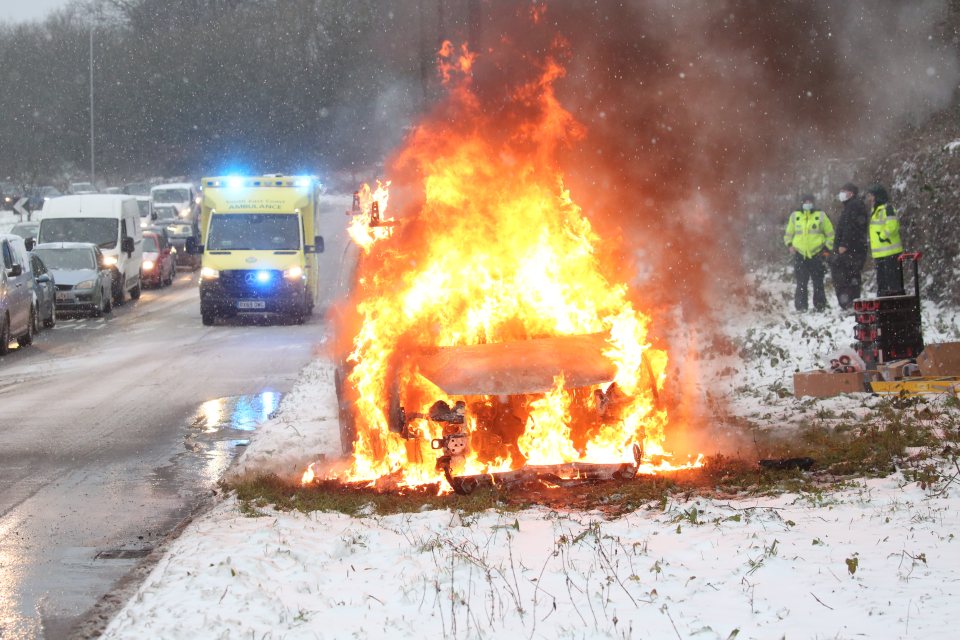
[[177, 200], [112, 222]]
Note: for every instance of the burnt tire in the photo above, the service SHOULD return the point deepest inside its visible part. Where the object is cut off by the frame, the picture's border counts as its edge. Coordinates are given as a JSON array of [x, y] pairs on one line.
[[348, 429]]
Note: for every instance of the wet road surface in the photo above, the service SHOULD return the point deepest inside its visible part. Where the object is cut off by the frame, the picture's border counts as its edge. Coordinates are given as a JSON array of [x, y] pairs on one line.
[[113, 430]]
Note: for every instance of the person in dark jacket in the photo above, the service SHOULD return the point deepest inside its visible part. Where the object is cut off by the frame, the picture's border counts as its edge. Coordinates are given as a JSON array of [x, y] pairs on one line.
[[850, 255]]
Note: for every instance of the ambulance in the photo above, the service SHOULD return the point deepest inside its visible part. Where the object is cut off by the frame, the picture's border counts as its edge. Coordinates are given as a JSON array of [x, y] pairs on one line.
[[258, 246]]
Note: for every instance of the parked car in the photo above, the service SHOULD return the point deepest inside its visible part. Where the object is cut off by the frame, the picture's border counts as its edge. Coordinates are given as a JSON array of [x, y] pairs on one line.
[[9, 194], [45, 288], [179, 233], [82, 188], [16, 294], [39, 196], [159, 263], [147, 216], [26, 230], [137, 189], [109, 221], [175, 201], [84, 281]]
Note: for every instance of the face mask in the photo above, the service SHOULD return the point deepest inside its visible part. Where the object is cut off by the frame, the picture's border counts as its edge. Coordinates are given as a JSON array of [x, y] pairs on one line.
[[843, 196], [807, 206]]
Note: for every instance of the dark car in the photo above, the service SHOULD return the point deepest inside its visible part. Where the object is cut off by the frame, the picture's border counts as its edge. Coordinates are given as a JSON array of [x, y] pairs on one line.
[[9, 194], [84, 282], [179, 232], [159, 263], [46, 291], [38, 196]]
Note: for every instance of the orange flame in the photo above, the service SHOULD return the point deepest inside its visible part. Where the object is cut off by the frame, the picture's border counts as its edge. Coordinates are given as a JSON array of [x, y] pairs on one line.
[[497, 252], [370, 223]]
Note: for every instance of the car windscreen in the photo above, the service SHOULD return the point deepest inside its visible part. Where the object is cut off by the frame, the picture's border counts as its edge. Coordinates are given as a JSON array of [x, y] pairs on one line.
[[180, 231], [67, 259], [100, 231], [25, 230], [170, 196], [254, 231], [150, 244]]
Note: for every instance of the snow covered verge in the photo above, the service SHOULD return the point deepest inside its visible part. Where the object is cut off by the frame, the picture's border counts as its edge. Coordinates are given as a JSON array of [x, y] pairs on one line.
[[877, 560], [304, 428], [862, 557]]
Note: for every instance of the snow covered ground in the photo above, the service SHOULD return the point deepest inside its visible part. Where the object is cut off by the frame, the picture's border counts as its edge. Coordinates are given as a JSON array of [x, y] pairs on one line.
[[872, 558]]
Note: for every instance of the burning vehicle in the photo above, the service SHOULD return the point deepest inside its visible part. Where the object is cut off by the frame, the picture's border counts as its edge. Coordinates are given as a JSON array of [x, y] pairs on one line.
[[489, 336], [494, 389]]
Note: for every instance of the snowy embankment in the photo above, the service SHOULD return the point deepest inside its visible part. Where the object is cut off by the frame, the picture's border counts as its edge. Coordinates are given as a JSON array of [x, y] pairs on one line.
[[873, 558]]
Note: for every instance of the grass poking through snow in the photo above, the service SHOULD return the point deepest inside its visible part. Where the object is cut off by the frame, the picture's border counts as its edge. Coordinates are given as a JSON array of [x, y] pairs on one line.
[[909, 434]]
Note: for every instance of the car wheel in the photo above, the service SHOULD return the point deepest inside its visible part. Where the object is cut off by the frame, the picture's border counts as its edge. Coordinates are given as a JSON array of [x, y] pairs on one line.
[[51, 322], [5, 336], [37, 322], [119, 296], [27, 339], [98, 311], [207, 319], [135, 292], [108, 305]]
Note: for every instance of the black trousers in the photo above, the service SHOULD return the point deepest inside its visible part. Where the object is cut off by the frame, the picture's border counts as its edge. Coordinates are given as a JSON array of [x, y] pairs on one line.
[[805, 270], [846, 270], [889, 276]]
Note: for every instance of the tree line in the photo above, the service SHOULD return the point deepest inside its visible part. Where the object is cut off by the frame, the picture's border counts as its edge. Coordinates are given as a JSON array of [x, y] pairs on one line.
[[183, 87]]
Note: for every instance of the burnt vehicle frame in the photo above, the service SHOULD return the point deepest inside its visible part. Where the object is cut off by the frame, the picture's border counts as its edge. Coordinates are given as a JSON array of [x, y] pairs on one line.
[[493, 382]]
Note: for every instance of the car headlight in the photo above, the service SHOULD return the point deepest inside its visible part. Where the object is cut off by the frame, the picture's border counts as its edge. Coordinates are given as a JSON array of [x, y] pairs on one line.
[[209, 274], [173, 249], [148, 265], [109, 261], [86, 284], [293, 273]]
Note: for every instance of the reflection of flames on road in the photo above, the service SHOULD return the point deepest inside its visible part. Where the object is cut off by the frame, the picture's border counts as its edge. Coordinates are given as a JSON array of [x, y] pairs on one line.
[[466, 310]]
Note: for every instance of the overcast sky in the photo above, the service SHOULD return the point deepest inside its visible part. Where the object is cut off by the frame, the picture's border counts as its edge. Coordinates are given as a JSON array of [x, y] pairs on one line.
[[18, 10]]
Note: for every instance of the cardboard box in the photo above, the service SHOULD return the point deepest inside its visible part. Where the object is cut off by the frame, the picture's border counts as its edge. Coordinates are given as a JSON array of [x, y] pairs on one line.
[[892, 371], [940, 359], [823, 384]]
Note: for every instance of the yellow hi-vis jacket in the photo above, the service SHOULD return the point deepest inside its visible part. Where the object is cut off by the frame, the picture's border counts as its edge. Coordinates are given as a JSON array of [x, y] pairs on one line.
[[809, 232], [884, 232]]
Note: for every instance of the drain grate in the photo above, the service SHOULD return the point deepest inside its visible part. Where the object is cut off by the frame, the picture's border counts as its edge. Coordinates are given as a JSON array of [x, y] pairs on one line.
[[123, 554]]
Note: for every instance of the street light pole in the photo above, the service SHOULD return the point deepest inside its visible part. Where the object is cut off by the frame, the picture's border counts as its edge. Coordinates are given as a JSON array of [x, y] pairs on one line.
[[93, 170]]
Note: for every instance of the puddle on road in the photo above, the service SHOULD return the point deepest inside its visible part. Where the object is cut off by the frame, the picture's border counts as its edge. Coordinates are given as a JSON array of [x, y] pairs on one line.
[[214, 436]]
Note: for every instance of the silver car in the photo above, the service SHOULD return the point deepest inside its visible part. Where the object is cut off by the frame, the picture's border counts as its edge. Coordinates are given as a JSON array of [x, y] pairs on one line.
[[83, 281]]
